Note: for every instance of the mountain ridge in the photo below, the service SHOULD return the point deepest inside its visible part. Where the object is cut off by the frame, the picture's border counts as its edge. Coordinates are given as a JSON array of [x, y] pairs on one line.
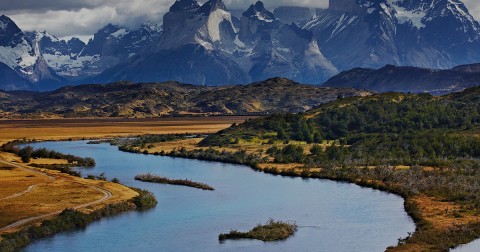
[[125, 99], [409, 79]]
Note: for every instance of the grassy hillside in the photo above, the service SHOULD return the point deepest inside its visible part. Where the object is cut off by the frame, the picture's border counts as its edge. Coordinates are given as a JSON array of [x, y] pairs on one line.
[[422, 147]]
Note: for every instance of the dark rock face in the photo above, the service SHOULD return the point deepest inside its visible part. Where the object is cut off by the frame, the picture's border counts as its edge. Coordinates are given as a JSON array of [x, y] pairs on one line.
[[10, 34], [256, 22], [184, 5], [189, 64], [10, 80]]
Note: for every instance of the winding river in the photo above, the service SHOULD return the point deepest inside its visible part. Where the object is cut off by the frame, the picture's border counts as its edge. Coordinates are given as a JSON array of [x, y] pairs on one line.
[[331, 216]]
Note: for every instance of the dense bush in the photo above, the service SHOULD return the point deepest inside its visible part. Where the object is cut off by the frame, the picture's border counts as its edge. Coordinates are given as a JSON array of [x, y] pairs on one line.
[[271, 231], [162, 180], [290, 154], [28, 152]]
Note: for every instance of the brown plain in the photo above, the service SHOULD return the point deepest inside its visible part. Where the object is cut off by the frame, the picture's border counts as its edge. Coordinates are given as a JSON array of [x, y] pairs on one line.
[[60, 129], [48, 195]]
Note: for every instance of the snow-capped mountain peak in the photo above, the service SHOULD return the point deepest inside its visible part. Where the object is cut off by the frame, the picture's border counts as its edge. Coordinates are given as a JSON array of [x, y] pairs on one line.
[[16, 51]]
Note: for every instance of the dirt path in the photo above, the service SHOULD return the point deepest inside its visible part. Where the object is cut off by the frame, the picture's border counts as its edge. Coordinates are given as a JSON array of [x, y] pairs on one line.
[[106, 195], [29, 189]]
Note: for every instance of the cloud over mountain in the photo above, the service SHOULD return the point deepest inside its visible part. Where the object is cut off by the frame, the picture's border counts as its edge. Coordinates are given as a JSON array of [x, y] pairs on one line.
[[83, 17]]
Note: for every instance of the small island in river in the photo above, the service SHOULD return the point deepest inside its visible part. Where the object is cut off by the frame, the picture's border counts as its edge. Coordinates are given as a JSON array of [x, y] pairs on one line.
[[183, 182], [271, 231]]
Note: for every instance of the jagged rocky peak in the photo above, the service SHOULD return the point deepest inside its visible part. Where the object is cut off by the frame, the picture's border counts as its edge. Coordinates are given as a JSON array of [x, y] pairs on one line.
[[179, 15], [5, 23], [10, 34], [257, 11], [108, 30], [76, 45], [184, 5], [256, 22]]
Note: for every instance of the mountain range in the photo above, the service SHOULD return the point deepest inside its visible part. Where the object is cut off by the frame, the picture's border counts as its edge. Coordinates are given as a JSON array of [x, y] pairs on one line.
[[206, 44]]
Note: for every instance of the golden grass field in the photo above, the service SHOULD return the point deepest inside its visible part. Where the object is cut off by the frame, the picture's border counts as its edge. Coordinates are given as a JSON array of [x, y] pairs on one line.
[[66, 191], [60, 129], [49, 195]]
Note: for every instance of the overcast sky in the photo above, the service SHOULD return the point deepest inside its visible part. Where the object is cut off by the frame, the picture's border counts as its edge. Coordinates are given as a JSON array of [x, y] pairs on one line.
[[82, 18]]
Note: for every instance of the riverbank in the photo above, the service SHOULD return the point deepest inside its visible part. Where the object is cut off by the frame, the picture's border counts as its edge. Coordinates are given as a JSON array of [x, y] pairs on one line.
[[56, 201], [441, 223]]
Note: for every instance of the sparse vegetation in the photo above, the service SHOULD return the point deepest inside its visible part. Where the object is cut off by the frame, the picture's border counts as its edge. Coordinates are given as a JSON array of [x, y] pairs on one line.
[[183, 182], [271, 231]]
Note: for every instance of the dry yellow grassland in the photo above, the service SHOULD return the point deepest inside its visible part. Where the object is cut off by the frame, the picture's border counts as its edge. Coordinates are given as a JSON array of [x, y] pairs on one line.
[[32, 192], [60, 129]]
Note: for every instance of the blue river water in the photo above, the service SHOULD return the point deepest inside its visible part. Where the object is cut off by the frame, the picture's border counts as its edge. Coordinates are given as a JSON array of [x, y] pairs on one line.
[[331, 216], [471, 247]]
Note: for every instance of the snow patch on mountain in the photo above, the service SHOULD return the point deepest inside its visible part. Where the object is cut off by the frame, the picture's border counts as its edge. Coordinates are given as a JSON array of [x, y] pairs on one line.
[[208, 46], [458, 9], [3, 25], [120, 33], [238, 42], [214, 20], [70, 66], [414, 16], [19, 57], [262, 17], [315, 59]]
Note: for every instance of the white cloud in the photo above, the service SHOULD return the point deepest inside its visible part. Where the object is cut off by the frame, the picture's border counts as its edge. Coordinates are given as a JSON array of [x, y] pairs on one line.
[[474, 8], [86, 21], [84, 17]]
